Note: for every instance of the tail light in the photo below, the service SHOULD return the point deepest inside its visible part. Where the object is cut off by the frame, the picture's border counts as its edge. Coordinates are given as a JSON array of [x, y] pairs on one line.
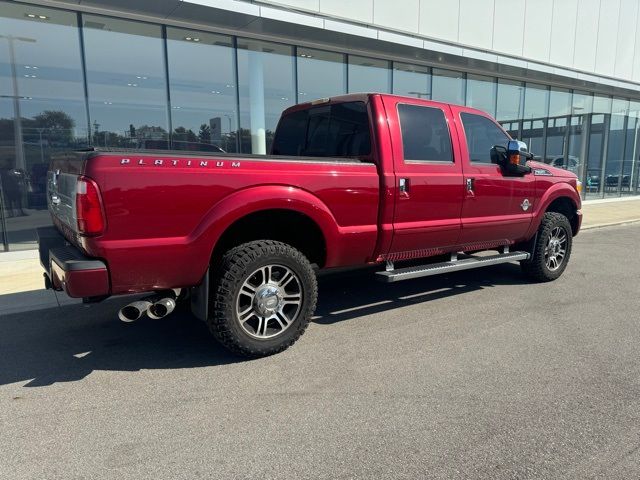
[[89, 211]]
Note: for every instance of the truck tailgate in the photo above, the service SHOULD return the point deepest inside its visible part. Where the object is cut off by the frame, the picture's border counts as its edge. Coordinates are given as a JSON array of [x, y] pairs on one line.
[[62, 181]]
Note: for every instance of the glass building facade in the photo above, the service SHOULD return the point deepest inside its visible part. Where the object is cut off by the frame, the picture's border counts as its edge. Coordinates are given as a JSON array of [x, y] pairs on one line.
[[71, 80]]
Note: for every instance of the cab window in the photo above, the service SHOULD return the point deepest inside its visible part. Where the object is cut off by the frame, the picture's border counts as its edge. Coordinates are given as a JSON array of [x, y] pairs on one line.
[[338, 130], [425, 134], [482, 134]]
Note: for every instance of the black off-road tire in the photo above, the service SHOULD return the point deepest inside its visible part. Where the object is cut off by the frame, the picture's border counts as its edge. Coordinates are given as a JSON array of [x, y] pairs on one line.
[[231, 271], [536, 267]]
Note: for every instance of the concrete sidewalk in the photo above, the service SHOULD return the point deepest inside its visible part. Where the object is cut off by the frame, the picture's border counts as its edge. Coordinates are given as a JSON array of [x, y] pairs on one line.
[[610, 211], [22, 286]]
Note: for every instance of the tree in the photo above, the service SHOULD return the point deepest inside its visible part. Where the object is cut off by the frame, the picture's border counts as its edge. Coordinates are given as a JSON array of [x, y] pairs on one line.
[[54, 120], [181, 134], [204, 135], [54, 125]]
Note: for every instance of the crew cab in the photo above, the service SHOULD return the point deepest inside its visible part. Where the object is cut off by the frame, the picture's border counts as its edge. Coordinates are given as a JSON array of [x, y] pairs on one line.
[[352, 180]]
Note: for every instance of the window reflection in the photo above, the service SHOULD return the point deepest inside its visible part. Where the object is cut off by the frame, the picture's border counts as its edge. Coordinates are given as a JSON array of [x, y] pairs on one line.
[[320, 74], [202, 92], [559, 102], [557, 128], [369, 75], [6, 66], [411, 80], [536, 101], [10, 188], [536, 107], [613, 178], [448, 86], [266, 88], [510, 105], [597, 129], [481, 93], [40, 83], [581, 107], [126, 82], [632, 150]]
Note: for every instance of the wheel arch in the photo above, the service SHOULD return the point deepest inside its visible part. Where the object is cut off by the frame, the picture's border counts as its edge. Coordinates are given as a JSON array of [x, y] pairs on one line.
[[567, 207], [284, 225], [559, 198], [244, 213]]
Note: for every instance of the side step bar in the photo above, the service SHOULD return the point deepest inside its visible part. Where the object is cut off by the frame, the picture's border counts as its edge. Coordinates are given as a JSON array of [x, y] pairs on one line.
[[455, 265]]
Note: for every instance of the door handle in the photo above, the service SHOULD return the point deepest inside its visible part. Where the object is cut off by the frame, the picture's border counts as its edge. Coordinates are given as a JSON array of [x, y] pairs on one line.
[[470, 183], [403, 186]]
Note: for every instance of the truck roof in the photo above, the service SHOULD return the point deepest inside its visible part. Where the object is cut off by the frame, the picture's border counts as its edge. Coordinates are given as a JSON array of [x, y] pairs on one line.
[[364, 97]]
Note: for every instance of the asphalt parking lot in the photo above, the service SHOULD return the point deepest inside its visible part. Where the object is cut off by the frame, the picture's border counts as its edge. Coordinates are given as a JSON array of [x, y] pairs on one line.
[[471, 375]]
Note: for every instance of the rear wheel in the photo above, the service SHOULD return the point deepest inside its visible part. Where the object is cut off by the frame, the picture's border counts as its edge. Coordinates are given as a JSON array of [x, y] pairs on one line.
[[552, 249], [264, 295]]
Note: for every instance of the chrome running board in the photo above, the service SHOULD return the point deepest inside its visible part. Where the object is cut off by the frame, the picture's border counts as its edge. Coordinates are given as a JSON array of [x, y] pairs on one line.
[[455, 265]]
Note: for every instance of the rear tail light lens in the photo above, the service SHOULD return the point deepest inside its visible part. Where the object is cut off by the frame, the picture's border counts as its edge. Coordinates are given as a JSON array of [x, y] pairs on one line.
[[89, 211]]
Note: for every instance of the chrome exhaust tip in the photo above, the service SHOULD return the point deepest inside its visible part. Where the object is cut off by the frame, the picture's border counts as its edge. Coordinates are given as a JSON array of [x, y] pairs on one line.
[[161, 308], [133, 311]]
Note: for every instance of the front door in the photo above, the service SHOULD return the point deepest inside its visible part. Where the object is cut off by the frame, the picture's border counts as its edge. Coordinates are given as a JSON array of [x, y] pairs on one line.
[[429, 186], [497, 209]]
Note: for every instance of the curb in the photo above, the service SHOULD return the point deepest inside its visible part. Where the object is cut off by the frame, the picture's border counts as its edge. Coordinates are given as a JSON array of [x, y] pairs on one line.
[[613, 224], [600, 201]]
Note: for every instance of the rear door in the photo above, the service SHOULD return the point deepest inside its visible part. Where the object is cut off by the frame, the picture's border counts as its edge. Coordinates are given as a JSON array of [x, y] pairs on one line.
[[429, 186], [497, 209]]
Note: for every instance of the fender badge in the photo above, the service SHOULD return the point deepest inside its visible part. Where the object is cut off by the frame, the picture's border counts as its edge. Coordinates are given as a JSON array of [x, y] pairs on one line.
[[525, 204]]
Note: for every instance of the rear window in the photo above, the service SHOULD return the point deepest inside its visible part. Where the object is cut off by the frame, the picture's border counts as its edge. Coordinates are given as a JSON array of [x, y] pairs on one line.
[[339, 130], [425, 134]]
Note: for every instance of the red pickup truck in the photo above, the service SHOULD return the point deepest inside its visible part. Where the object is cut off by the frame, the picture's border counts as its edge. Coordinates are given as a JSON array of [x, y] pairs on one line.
[[352, 180]]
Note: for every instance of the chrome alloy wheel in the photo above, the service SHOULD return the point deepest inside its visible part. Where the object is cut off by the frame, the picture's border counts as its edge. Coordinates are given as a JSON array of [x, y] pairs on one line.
[[269, 301], [556, 248]]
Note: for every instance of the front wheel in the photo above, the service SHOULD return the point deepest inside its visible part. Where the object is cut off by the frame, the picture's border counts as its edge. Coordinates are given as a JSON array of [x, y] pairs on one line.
[[552, 249], [264, 295]]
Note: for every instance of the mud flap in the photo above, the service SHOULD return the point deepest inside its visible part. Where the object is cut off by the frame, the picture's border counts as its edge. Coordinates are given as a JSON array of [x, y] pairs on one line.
[[200, 298]]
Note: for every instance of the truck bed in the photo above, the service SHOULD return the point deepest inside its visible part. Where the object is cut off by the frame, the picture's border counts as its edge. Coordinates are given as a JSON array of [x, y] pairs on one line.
[[167, 209]]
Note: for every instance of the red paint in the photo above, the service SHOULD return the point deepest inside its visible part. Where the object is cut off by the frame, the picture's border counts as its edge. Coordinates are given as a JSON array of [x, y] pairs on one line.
[[165, 211], [428, 215], [81, 283], [493, 210]]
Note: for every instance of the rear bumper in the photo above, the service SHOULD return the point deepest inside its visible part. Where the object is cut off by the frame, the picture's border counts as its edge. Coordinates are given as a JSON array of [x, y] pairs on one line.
[[68, 269]]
